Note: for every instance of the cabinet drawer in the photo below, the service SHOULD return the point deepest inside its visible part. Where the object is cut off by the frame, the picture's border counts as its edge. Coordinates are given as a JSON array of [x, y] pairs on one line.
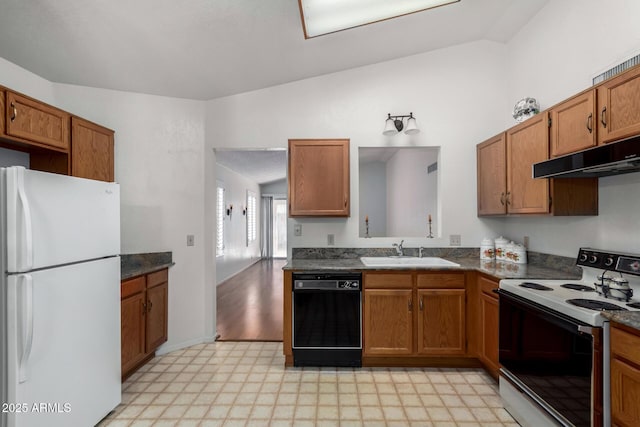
[[487, 286], [132, 286], [441, 280], [625, 345], [157, 278], [388, 280]]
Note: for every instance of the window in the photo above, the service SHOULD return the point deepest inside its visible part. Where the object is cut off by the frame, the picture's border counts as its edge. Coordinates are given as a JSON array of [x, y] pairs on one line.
[[251, 217], [219, 221]]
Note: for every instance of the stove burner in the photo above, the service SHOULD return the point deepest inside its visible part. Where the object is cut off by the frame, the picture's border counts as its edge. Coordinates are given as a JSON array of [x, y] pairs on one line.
[[578, 287], [536, 286], [594, 304], [634, 305]]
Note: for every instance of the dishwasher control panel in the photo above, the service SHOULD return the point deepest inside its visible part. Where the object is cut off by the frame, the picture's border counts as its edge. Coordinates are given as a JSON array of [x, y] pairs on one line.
[[327, 281]]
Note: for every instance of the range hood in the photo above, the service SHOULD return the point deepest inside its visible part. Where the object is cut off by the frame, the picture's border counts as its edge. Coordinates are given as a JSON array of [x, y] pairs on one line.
[[615, 158]]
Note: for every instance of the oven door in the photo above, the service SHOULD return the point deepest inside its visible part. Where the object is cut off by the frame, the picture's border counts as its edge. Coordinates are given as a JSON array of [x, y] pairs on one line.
[[550, 358]]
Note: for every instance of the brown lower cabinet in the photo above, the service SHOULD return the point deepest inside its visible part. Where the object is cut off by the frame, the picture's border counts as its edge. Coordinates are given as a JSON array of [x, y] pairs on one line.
[[489, 313], [625, 376], [413, 316], [144, 304]]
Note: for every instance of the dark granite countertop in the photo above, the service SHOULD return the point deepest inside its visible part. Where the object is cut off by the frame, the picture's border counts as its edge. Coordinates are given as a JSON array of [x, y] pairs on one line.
[[627, 318], [541, 266], [132, 265]]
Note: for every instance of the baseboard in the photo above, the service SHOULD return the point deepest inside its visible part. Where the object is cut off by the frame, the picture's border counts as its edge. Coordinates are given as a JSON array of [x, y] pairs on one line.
[[164, 349]]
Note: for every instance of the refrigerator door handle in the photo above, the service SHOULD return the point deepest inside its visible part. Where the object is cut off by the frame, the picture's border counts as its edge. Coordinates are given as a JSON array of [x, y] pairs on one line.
[[26, 216], [26, 323]]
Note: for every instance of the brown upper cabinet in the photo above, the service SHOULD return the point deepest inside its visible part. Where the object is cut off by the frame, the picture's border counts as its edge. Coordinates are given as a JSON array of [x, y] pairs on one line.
[[573, 124], [91, 150], [619, 107], [527, 143], [505, 182], [56, 141], [37, 122], [492, 176], [319, 177]]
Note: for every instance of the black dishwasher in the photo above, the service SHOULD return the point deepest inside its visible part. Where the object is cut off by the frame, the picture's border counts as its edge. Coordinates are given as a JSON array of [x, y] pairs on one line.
[[327, 319]]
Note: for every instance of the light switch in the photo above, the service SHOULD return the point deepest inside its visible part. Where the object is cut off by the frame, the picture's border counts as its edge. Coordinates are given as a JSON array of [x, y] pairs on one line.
[[190, 240], [297, 230]]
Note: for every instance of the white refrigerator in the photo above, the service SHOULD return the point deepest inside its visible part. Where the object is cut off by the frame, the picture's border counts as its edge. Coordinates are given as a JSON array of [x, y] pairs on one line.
[[59, 299]]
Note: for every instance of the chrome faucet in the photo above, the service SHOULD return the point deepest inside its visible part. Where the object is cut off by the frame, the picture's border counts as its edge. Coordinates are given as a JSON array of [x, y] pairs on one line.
[[399, 248], [420, 251]]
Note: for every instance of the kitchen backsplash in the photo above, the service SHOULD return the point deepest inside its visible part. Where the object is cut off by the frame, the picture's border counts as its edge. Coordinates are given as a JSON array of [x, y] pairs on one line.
[[555, 262]]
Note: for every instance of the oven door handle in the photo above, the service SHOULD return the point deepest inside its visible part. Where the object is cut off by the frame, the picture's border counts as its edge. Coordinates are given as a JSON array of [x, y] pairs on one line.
[[559, 319]]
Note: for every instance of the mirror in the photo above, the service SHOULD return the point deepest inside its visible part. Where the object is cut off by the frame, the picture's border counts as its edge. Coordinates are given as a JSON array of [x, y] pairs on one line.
[[398, 191]]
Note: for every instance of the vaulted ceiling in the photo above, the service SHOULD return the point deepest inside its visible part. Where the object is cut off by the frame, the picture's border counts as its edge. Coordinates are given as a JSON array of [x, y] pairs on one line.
[[205, 49]]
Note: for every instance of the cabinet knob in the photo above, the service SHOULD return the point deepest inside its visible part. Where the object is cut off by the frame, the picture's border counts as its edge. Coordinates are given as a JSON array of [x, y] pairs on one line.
[[15, 112], [410, 305], [508, 199], [502, 198], [421, 304], [603, 116], [150, 305], [144, 308], [589, 123]]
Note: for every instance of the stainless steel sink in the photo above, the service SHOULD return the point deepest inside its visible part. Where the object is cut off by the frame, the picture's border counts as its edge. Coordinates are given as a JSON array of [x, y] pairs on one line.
[[407, 261]]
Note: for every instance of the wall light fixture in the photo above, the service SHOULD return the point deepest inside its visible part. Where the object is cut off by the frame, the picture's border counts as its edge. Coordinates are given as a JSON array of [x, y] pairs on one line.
[[395, 124]]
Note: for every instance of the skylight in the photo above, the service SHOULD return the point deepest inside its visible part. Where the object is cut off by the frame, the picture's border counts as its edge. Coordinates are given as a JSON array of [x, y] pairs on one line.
[[328, 16]]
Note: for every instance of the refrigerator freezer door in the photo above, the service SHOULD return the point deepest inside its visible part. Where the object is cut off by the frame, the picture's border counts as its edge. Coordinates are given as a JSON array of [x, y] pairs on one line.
[[56, 219], [63, 347]]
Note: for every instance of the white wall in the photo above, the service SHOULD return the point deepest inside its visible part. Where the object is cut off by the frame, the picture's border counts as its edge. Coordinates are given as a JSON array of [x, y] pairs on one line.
[[457, 95], [372, 202], [159, 163], [237, 255], [276, 188], [553, 57], [13, 158], [410, 200]]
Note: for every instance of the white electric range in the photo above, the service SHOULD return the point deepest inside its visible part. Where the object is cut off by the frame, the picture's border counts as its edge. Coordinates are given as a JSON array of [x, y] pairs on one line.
[[554, 340]]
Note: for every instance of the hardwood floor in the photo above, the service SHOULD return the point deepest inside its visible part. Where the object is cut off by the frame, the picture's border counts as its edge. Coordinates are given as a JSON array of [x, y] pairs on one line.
[[249, 304]]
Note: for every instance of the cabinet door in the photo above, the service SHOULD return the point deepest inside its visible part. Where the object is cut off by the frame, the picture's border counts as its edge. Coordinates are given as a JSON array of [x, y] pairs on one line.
[[319, 177], [619, 107], [388, 322], [625, 393], [492, 176], [573, 125], [91, 150], [527, 143], [132, 318], [441, 322], [489, 312], [157, 298], [3, 131], [34, 121]]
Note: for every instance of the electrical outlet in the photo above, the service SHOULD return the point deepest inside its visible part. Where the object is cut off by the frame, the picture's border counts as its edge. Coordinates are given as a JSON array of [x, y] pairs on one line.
[[297, 230], [455, 240], [331, 239], [190, 240], [525, 242]]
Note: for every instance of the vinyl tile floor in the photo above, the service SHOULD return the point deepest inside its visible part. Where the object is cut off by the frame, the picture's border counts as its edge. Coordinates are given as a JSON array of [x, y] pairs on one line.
[[246, 384]]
